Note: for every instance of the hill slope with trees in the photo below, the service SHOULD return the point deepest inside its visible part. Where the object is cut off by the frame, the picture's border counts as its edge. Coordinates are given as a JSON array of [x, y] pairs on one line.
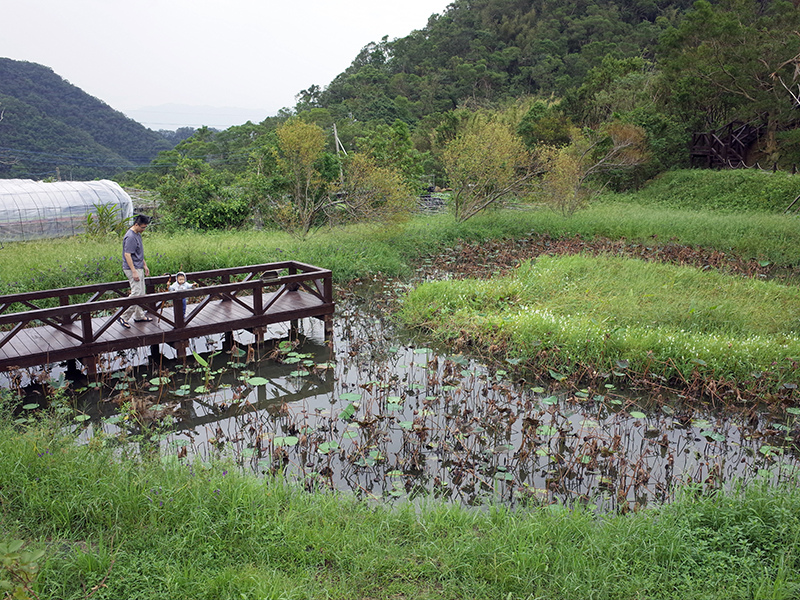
[[51, 127], [484, 51], [601, 94]]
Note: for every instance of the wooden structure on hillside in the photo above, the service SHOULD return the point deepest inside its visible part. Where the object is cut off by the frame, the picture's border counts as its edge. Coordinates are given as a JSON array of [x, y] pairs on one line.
[[81, 323], [726, 147]]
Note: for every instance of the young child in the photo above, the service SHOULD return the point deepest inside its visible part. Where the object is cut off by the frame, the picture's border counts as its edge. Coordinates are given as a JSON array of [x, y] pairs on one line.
[[181, 284]]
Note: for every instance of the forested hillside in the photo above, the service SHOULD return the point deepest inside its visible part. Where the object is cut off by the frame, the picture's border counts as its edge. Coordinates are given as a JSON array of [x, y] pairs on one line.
[[49, 126], [483, 51]]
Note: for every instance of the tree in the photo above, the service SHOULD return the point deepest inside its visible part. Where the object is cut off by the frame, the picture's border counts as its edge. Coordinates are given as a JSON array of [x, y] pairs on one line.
[[393, 148], [571, 169], [736, 59], [6, 159], [487, 165], [370, 192], [544, 125], [196, 196], [300, 196], [308, 99]]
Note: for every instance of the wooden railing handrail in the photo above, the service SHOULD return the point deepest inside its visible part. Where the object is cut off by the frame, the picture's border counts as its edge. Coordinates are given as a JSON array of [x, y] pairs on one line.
[[306, 270], [158, 297]]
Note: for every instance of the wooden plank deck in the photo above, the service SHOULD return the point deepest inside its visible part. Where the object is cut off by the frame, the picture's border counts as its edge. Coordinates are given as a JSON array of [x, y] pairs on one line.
[[84, 331]]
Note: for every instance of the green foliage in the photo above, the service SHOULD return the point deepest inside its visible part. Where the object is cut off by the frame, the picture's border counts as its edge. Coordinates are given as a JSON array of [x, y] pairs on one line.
[[300, 195], [486, 166], [18, 570], [573, 173], [789, 143], [197, 197], [615, 87], [480, 53], [105, 221], [392, 147], [544, 125], [158, 529], [370, 193], [597, 311], [357, 250], [734, 59]]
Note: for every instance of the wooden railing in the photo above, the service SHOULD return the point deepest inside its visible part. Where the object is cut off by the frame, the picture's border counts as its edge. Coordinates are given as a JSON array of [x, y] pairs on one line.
[[262, 285]]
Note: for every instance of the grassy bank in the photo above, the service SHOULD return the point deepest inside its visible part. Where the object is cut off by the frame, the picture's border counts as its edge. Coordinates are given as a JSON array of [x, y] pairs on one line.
[[363, 250], [726, 191], [602, 311], [150, 530]]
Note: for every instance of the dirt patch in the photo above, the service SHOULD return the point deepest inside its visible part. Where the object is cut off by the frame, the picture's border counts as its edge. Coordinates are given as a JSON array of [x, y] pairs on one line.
[[498, 257]]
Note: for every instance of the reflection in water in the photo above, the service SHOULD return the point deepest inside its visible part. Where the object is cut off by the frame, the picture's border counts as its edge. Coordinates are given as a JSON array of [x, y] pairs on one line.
[[381, 414]]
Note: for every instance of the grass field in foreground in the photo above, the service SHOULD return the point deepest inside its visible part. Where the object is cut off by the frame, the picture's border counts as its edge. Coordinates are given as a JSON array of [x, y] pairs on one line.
[[147, 529]]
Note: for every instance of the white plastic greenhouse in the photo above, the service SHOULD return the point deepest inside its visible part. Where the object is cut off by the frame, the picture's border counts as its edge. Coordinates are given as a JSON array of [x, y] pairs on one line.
[[32, 210]]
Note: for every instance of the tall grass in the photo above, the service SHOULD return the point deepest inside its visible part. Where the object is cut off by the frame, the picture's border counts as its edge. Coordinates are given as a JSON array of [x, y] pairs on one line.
[[600, 311], [758, 236], [359, 251], [150, 529]]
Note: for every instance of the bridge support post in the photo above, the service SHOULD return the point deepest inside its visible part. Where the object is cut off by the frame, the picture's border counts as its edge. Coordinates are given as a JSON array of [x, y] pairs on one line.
[[227, 344], [155, 354], [180, 349], [73, 373], [90, 362], [328, 320]]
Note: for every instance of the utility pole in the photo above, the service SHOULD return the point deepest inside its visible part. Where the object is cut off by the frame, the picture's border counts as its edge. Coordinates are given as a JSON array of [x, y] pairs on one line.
[[338, 143]]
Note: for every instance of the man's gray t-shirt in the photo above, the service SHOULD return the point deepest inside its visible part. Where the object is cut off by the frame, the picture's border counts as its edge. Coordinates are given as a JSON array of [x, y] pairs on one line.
[[132, 244]]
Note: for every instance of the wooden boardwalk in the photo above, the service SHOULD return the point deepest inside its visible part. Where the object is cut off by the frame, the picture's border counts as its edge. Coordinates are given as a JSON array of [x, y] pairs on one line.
[[84, 324]]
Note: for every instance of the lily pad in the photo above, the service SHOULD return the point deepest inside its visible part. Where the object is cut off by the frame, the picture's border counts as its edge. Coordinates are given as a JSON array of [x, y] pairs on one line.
[[287, 440], [327, 447], [348, 411]]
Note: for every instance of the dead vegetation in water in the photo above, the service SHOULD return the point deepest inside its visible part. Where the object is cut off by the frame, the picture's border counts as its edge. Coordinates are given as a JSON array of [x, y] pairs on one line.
[[497, 257]]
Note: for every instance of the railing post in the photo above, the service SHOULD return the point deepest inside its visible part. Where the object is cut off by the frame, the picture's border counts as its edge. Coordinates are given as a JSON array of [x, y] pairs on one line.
[[86, 328], [258, 300], [226, 278], [149, 288], [90, 362], [177, 311], [64, 301]]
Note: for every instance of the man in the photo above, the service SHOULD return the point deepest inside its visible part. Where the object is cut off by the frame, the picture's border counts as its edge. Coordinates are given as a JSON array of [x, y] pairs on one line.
[[135, 268]]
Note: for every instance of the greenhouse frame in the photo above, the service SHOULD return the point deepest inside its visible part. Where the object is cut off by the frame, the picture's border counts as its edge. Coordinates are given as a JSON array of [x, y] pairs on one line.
[[31, 210]]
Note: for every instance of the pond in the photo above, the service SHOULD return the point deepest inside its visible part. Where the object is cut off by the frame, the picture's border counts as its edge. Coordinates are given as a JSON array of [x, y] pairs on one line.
[[385, 414]]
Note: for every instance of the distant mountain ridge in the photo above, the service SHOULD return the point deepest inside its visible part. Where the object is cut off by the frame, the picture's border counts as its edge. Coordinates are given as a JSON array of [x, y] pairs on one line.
[[52, 128], [175, 116]]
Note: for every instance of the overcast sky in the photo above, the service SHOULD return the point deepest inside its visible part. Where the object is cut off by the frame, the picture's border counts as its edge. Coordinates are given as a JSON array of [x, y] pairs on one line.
[[252, 54]]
